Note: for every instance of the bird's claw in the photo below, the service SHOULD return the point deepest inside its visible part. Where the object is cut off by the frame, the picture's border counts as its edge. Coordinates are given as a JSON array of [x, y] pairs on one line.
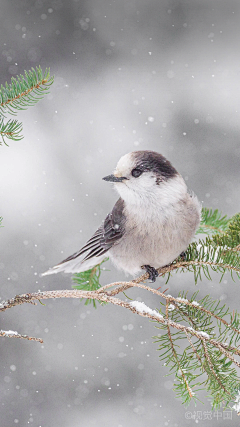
[[152, 272], [183, 256]]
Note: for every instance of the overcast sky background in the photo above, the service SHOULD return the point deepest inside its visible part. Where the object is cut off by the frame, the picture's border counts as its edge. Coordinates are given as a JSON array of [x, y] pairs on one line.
[[135, 74]]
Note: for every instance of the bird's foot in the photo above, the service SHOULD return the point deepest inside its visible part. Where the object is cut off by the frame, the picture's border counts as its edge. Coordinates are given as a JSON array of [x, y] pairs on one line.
[[153, 274], [183, 256]]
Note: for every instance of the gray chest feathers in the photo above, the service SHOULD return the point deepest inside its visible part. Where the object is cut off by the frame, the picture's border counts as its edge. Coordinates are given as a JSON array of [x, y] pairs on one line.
[[156, 237]]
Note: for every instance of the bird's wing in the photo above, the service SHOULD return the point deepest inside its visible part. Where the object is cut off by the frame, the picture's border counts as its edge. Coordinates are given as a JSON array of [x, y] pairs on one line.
[[107, 235]]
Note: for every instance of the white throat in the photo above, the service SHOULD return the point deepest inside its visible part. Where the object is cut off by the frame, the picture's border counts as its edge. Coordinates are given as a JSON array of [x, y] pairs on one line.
[[161, 196]]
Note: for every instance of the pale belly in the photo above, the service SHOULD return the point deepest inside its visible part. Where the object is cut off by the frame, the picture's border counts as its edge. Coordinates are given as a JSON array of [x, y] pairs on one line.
[[157, 248]]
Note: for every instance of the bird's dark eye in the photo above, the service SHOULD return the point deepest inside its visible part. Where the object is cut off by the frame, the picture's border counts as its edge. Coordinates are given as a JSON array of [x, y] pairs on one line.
[[136, 172]]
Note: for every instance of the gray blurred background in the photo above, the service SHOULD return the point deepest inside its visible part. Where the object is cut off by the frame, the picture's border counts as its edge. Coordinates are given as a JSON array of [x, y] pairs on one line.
[[129, 74]]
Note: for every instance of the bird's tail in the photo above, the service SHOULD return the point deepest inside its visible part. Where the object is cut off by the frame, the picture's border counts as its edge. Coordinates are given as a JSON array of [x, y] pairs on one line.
[[75, 265]]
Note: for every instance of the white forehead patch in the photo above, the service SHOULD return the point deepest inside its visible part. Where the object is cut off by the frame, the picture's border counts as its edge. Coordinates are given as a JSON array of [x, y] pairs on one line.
[[124, 166]]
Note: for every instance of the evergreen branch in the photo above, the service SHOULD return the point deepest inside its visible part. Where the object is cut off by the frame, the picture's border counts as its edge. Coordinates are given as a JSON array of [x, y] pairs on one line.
[[227, 353], [24, 91], [206, 254], [175, 354], [89, 281], [222, 380], [231, 238], [212, 222], [209, 310], [211, 332], [216, 312], [10, 130], [184, 315], [212, 370], [194, 349]]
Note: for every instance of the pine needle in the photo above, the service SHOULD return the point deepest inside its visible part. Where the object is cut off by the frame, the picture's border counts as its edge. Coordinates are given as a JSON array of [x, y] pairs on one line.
[[23, 92]]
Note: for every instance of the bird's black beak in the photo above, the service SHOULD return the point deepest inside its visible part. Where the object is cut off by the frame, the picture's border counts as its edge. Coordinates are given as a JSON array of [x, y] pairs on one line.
[[113, 178]]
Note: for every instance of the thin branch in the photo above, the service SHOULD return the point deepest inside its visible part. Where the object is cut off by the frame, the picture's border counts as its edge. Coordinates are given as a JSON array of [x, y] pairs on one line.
[[183, 314], [161, 272], [14, 334], [186, 264], [122, 286], [151, 314]]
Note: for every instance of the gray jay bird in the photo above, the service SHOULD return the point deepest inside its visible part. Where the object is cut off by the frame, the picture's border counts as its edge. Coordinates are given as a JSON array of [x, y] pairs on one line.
[[151, 224]]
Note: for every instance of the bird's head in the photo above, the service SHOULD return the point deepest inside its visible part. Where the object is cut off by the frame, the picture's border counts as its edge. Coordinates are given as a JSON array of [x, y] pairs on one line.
[[141, 175]]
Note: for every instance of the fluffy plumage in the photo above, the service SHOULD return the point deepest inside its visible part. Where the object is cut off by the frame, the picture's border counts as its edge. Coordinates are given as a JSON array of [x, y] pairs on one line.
[[154, 220]]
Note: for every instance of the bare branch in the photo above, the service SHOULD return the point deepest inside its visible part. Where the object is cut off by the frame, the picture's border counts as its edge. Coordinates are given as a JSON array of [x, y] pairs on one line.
[[14, 334]]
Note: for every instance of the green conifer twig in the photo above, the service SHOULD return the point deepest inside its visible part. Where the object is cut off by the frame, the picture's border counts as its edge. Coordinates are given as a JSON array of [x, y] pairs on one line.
[[212, 222], [21, 93], [24, 91]]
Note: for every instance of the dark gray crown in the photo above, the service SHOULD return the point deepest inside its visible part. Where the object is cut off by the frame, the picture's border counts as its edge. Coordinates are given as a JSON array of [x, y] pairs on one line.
[[153, 161]]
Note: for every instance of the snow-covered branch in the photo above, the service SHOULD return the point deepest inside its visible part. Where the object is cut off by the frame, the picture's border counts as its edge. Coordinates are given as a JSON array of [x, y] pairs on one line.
[[211, 332]]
